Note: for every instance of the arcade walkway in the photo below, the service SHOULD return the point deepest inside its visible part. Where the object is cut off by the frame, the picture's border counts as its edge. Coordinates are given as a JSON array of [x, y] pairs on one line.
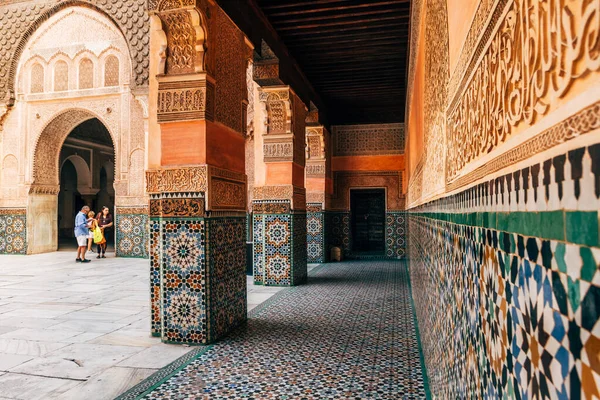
[[348, 334]]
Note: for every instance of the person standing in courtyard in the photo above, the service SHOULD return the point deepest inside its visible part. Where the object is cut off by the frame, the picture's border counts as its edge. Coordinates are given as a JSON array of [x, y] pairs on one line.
[[92, 223], [105, 221], [81, 234]]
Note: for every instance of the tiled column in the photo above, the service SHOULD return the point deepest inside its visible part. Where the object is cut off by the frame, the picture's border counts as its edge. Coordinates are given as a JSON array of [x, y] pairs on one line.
[[279, 206], [198, 192], [318, 185]]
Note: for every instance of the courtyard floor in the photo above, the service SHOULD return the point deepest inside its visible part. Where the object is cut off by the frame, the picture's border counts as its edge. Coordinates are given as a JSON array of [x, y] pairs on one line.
[[80, 331]]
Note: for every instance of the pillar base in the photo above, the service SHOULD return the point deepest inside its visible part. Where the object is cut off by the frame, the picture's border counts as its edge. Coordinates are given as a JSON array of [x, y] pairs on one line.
[[198, 262], [279, 244]]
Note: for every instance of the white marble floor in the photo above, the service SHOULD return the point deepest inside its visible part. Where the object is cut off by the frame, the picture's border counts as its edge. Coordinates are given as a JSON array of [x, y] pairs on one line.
[[80, 331]]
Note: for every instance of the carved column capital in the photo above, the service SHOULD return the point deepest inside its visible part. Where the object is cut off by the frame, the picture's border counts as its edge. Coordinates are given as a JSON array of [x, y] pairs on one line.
[[184, 28]]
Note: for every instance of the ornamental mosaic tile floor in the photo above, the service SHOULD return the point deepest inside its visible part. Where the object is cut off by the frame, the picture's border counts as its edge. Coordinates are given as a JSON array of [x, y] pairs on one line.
[[348, 333]]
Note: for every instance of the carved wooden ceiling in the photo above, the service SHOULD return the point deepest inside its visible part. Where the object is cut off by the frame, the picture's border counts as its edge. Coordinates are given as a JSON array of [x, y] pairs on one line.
[[354, 53]]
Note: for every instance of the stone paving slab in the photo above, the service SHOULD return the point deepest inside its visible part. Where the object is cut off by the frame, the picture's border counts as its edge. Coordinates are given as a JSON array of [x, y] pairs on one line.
[[79, 331]]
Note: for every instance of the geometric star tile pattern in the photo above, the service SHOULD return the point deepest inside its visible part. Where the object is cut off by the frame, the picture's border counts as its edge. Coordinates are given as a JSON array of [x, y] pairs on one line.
[[348, 333], [13, 238], [315, 237], [512, 294], [279, 248], [339, 233], [132, 235]]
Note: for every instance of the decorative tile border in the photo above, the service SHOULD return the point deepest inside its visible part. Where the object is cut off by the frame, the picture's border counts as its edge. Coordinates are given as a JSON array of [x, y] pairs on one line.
[[395, 234]]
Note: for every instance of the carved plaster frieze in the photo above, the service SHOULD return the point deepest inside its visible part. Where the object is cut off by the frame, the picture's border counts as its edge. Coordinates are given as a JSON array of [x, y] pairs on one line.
[[226, 195], [316, 170], [226, 190], [182, 179], [525, 70], [13, 211], [166, 5], [177, 207], [315, 143], [279, 151], [371, 139], [132, 210], [315, 198], [44, 189], [185, 100], [295, 194]]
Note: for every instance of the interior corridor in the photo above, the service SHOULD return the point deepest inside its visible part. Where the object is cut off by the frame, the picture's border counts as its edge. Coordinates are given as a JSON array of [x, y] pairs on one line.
[[348, 333]]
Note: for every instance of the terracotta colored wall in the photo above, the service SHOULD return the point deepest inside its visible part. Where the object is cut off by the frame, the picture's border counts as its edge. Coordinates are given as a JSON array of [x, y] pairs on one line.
[[414, 129], [382, 170], [460, 16]]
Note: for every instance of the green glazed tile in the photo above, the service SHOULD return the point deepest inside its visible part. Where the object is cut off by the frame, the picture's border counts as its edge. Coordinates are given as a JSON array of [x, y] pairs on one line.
[[589, 264], [552, 225], [513, 244], [582, 227], [574, 294], [559, 256], [502, 221]]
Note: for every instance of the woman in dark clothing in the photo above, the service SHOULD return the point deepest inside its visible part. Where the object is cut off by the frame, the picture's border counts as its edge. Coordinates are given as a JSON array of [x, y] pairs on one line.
[[105, 221]]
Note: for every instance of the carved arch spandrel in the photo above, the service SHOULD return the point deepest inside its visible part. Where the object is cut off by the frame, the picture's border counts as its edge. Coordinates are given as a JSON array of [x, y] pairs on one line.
[[36, 15], [46, 153]]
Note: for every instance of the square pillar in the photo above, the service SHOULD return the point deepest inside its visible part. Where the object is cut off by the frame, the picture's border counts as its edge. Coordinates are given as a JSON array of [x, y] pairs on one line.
[[198, 260], [318, 184], [279, 195], [196, 183]]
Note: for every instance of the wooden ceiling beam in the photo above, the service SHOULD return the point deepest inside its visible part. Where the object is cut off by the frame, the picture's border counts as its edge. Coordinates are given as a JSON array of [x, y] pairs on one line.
[[337, 40], [358, 52], [372, 14], [312, 10], [374, 27], [279, 5], [340, 23]]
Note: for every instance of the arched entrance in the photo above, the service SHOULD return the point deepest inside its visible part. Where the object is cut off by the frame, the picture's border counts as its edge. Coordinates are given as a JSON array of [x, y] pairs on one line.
[[86, 155], [76, 145], [75, 68]]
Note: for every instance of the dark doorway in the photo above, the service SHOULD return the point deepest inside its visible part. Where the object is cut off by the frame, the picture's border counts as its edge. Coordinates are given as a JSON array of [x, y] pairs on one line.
[[86, 178], [367, 207]]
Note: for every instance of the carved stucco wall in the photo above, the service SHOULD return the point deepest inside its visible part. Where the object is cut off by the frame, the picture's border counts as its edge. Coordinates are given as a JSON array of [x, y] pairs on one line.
[[20, 19], [509, 75], [72, 35], [506, 235]]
